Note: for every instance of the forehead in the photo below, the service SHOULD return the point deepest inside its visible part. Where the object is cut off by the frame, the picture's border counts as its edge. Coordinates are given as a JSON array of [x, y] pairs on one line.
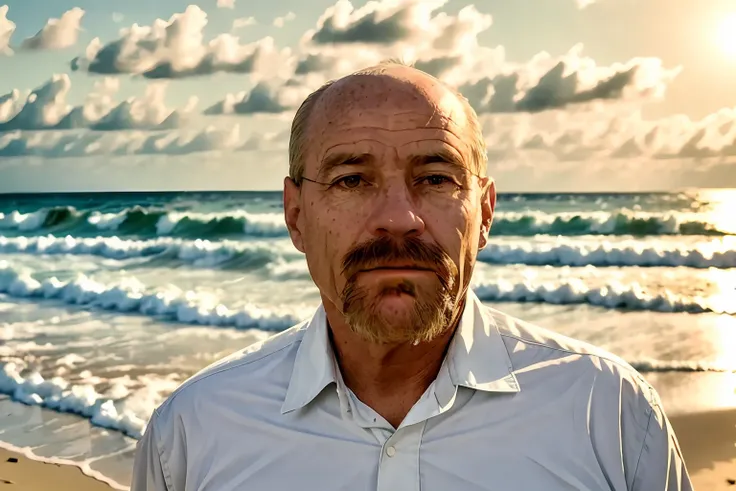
[[383, 112]]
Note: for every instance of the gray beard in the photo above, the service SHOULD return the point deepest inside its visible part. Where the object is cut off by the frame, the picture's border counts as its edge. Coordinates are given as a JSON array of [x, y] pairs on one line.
[[430, 316]]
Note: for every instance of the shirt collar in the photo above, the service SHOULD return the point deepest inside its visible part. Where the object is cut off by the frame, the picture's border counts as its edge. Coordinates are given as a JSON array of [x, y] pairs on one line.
[[477, 358]]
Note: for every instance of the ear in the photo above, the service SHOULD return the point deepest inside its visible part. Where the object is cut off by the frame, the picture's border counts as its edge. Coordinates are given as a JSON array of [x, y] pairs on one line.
[[488, 208], [292, 209]]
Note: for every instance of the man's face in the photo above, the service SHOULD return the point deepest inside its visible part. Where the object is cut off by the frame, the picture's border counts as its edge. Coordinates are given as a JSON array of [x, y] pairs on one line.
[[393, 225]]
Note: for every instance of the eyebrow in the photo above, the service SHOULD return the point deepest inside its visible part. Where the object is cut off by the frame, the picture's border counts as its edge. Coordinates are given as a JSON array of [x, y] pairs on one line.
[[333, 161], [330, 162], [438, 157]]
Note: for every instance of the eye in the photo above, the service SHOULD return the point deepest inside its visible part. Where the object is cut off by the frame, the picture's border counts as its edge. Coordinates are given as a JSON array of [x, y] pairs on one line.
[[352, 181], [436, 180]]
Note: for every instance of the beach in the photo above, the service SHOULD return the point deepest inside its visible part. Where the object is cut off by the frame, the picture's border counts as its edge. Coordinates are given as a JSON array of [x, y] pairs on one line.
[[708, 442]]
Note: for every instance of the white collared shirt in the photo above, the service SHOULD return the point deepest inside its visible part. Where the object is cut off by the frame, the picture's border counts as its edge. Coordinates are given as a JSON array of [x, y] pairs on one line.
[[514, 407]]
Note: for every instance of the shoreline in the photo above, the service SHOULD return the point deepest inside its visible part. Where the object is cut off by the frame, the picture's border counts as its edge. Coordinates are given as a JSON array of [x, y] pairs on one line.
[[707, 440], [33, 473]]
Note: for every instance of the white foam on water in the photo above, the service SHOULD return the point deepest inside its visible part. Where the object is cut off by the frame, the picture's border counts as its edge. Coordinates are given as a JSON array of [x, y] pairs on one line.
[[621, 221], [568, 252], [23, 221], [254, 224], [613, 295], [124, 406], [200, 253], [717, 253], [107, 221], [130, 295]]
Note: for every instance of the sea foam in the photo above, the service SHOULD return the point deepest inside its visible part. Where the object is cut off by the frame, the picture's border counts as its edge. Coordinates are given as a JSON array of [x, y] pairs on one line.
[[130, 295], [156, 221], [249, 255]]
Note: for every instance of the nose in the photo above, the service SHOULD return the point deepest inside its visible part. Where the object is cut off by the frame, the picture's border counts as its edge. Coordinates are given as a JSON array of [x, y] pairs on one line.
[[396, 213]]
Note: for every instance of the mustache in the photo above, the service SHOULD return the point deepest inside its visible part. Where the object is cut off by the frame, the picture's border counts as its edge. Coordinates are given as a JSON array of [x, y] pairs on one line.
[[384, 249]]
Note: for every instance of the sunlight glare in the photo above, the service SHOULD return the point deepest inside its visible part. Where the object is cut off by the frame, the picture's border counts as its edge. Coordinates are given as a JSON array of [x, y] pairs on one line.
[[719, 208], [727, 35]]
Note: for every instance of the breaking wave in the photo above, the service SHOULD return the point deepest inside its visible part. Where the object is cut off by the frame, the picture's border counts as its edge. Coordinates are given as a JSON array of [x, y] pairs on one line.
[[256, 254], [149, 222]]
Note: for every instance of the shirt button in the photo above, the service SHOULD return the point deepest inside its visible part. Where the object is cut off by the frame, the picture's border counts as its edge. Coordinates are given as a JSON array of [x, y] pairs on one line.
[[391, 451]]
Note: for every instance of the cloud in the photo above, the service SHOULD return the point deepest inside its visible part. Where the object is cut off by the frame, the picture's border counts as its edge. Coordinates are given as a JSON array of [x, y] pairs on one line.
[[601, 138], [244, 22], [176, 49], [280, 21], [7, 28], [11, 103], [384, 22], [572, 79], [46, 108], [268, 98], [117, 17], [225, 4], [64, 144], [57, 33]]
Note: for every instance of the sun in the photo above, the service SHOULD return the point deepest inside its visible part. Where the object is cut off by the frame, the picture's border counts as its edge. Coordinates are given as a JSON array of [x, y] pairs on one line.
[[727, 35]]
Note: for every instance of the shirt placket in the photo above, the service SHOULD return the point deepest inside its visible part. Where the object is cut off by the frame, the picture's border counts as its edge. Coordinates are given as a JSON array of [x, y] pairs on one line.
[[398, 465]]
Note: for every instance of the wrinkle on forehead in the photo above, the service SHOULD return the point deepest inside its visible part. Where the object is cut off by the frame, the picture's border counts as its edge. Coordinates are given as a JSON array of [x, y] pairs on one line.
[[359, 105]]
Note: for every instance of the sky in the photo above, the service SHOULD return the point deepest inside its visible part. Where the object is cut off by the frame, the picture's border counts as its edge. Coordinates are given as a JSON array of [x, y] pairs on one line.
[[573, 95]]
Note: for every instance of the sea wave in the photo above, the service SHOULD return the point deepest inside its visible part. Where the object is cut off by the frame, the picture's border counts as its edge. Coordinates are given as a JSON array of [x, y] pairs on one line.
[[150, 222], [647, 366], [200, 253], [131, 295], [278, 255], [615, 295], [119, 407], [124, 404]]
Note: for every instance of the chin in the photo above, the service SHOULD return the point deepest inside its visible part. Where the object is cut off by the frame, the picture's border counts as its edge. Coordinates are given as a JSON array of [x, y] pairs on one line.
[[394, 316]]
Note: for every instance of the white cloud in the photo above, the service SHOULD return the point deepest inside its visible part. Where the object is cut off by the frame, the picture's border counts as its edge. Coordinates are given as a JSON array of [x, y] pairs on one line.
[[64, 144], [7, 28], [176, 49], [268, 98], [11, 103], [226, 4], [548, 83], [57, 33], [117, 17], [381, 22], [244, 22], [280, 21], [46, 108]]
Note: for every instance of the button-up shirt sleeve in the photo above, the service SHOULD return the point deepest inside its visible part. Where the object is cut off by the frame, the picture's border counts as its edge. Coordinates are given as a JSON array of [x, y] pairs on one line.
[[149, 473], [660, 465]]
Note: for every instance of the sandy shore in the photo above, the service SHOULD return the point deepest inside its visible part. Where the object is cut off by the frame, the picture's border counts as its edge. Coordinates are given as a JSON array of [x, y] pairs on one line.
[[31, 475], [708, 443]]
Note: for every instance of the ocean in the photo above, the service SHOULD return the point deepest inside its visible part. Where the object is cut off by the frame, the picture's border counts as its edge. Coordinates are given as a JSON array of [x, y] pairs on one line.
[[108, 301]]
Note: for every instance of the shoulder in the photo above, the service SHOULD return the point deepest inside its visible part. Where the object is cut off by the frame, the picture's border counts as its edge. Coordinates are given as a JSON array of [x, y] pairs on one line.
[[532, 348], [264, 362]]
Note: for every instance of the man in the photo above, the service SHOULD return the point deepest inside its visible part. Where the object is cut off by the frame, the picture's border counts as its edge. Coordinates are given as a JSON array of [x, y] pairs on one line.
[[402, 380]]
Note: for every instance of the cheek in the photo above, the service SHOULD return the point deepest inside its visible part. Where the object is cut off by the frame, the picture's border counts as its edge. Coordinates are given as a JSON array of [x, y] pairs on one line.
[[453, 227], [331, 233]]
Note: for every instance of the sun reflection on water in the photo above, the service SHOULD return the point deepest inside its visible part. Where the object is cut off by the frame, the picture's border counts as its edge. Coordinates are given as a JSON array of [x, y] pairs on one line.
[[719, 208]]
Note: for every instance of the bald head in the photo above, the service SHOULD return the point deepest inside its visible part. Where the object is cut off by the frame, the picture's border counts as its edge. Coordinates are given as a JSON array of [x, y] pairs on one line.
[[385, 91]]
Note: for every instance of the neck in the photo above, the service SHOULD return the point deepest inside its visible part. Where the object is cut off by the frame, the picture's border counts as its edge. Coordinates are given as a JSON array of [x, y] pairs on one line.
[[389, 378]]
